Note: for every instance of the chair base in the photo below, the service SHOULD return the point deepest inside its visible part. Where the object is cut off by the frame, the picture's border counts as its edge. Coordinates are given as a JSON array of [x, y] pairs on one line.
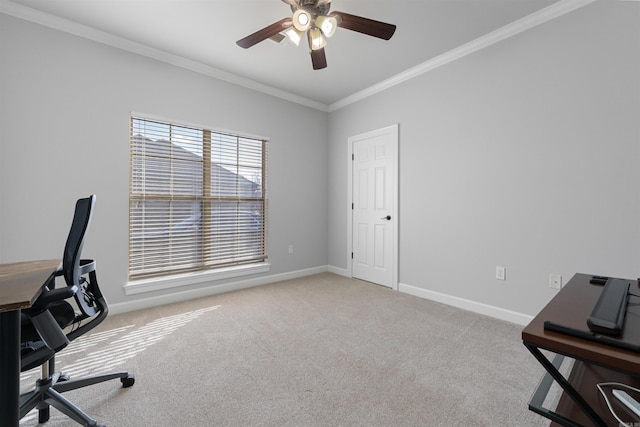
[[48, 392]]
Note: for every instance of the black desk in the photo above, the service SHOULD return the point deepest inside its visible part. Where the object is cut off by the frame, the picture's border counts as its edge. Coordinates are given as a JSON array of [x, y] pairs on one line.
[[581, 403], [20, 285]]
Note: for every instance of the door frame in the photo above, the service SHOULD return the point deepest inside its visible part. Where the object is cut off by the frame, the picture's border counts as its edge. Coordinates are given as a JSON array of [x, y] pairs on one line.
[[393, 130]]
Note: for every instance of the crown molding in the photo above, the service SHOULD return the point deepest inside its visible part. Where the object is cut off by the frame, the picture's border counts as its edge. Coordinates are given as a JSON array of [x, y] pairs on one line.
[[544, 15], [510, 30], [19, 11]]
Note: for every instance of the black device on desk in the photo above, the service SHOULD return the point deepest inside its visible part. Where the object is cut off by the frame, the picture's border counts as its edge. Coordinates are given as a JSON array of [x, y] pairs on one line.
[[606, 319], [609, 311]]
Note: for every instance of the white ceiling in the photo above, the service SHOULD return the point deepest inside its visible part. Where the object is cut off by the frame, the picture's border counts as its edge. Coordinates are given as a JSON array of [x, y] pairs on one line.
[[204, 32]]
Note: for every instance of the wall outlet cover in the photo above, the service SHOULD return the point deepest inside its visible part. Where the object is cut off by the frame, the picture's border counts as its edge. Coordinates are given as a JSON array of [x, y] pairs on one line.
[[555, 281]]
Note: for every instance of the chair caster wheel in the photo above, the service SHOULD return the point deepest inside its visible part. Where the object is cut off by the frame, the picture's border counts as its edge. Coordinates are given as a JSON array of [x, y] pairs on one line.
[[128, 381], [43, 415]]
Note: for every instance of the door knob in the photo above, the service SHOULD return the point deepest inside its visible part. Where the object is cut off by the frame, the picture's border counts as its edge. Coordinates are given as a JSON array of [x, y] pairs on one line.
[[388, 217]]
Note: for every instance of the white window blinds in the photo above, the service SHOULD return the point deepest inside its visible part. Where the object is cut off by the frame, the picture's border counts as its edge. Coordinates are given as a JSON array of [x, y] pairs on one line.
[[197, 199]]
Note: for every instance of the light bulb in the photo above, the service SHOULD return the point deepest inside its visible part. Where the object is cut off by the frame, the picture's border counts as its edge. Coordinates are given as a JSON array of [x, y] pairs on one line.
[[327, 24], [301, 20], [316, 41], [294, 35]]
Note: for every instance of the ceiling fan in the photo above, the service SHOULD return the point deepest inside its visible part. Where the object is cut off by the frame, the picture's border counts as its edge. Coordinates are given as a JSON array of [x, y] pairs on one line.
[[313, 18]]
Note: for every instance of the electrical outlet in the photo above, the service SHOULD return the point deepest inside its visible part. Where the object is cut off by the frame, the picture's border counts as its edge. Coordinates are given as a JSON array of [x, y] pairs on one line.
[[555, 281], [501, 273], [290, 249]]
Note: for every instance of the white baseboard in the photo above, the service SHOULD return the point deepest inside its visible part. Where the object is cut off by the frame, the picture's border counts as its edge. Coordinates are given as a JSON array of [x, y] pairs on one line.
[[214, 289], [339, 271], [465, 304]]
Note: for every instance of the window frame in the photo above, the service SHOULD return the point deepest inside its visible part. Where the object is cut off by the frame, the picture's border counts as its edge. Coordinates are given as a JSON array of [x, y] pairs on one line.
[[205, 271]]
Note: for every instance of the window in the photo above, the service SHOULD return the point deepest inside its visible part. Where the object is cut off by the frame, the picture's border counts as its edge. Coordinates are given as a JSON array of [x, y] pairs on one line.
[[197, 199]]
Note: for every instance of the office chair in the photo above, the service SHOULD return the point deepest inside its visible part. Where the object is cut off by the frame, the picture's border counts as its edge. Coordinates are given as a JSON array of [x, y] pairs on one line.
[[43, 326]]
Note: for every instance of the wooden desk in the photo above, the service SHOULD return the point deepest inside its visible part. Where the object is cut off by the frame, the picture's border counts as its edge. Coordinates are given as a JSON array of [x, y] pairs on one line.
[[20, 285], [581, 403]]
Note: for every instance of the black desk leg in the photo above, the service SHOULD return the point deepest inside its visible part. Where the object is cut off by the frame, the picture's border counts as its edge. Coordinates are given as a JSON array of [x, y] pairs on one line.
[[10, 367], [566, 386]]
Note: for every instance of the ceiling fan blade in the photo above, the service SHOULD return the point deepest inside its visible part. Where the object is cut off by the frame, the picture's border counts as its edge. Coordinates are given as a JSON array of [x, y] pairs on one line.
[[362, 25], [265, 33], [294, 3], [318, 59]]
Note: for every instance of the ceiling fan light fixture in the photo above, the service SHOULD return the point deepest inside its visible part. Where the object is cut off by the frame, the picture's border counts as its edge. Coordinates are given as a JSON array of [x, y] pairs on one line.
[[301, 20], [294, 35], [327, 24], [316, 41], [313, 17]]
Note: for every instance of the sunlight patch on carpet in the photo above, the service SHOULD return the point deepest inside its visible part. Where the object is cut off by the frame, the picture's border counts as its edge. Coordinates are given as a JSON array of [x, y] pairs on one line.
[[135, 341], [115, 347]]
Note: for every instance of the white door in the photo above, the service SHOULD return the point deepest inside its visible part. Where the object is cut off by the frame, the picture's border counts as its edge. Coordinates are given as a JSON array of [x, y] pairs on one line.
[[374, 210]]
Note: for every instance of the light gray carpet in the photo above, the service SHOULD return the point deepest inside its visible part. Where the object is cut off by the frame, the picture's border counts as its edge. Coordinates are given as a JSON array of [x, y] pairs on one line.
[[318, 351]]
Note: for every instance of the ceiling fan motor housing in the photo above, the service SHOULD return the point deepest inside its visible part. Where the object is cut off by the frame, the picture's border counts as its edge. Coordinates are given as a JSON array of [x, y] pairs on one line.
[[314, 7]]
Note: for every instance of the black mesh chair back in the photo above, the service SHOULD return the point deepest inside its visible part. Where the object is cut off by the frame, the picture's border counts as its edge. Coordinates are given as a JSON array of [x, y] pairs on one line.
[[75, 240], [73, 268]]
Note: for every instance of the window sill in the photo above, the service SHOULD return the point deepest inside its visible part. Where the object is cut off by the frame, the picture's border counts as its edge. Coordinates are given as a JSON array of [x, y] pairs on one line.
[[187, 279]]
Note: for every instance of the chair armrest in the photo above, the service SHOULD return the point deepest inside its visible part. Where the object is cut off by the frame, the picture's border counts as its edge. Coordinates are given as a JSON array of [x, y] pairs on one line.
[[52, 295]]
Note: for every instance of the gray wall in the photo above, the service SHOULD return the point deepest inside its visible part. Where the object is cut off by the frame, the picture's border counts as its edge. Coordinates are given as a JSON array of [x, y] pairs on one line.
[[523, 155], [65, 104]]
